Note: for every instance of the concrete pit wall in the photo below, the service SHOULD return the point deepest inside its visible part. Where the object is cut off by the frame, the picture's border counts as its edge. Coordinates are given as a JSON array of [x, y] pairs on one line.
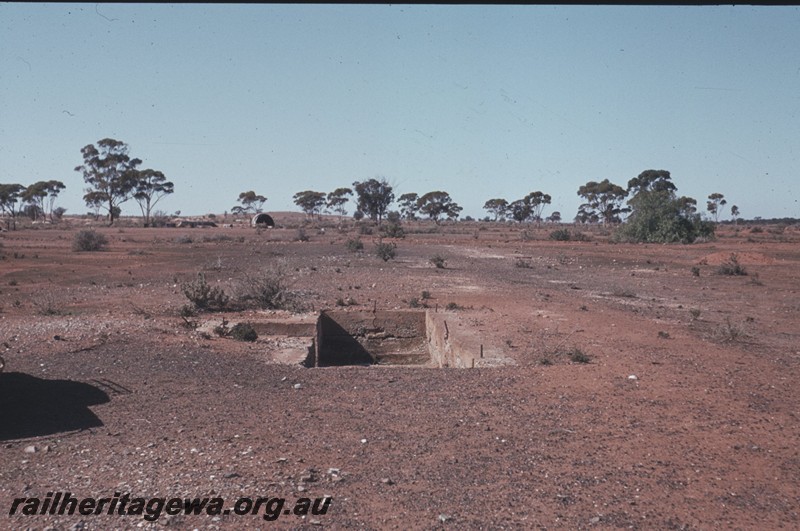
[[402, 338]]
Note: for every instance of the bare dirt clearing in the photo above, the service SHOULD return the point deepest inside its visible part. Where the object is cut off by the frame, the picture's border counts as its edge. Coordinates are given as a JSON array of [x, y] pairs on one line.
[[686, 416]]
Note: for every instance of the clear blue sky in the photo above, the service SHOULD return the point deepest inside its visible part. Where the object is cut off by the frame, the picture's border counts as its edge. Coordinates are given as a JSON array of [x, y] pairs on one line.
[[478, 101]]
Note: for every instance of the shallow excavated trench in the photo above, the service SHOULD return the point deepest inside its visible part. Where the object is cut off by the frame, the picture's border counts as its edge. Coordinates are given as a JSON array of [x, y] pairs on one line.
[[406, 338]]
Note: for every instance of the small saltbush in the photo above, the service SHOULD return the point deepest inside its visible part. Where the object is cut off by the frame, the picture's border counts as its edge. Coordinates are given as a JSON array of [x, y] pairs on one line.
[[578, 356], [439, 261], [393, 230], [565, 235], [89, 240], [204, 296], [266, 289], [349, 301], [386, 251], [217, 238], [243, 332], [355, 245], [731, 267], [560, 235]]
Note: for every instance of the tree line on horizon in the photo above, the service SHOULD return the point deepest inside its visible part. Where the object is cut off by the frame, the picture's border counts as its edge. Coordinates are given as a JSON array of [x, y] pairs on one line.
[[652, 210], [655, 213]]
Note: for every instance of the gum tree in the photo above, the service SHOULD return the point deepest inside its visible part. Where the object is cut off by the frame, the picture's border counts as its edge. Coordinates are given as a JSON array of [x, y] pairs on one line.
[[651, 181], [525, 209], [714, 204], [437, 204], [251, 203], [603, 202], [497, 207], [337, 199], [520, 210], [110, 173], [151, 187], [11, 203], [34, 196], [42, 196], [555, 217], [537, 201], [586, 215], [53, 188], [310, 202], [659, 215], [374, 198], [408, 205]]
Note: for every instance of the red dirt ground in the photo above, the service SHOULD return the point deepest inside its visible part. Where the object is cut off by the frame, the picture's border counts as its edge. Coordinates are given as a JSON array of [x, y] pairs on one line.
[[116, 395]]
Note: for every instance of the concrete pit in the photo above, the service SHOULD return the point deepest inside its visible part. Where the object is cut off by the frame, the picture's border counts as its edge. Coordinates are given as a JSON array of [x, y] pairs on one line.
[[404, 338]]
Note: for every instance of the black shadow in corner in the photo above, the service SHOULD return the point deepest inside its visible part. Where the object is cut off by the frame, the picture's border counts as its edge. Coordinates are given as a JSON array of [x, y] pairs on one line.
[[339, 348], [33, 407]]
